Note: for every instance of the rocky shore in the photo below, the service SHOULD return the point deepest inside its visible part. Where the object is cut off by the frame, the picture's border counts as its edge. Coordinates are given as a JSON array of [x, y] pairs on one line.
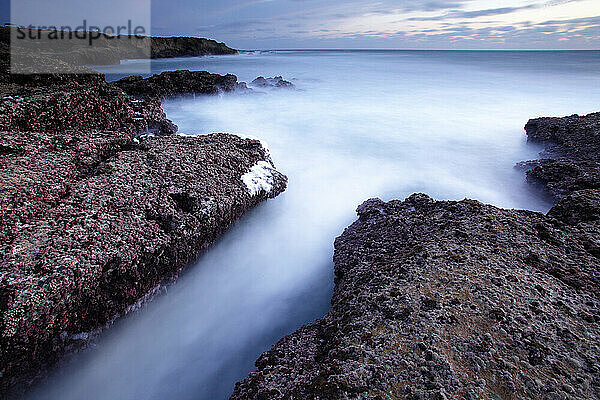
[[183, 46], [174, 83], [108, 50], [100, 203], [184, 82], [571, 160], [447, 299]]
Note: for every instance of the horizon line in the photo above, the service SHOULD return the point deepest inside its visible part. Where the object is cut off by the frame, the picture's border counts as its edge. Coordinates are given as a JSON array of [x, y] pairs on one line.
[[401, 49]]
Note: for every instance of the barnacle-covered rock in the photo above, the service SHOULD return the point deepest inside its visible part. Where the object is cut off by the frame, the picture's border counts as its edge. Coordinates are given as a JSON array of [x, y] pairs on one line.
[[446, 299], [90, 224], [572, 154], [82, 104], [99, 203]]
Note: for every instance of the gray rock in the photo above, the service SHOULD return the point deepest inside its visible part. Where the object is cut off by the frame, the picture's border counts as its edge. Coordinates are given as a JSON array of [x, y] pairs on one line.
[[416, 312], [275, 82], [100, 202], [572, 153]]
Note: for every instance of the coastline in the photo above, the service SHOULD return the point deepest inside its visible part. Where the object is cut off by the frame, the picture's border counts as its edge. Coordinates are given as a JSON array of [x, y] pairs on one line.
[[542, 244], [118, 204], [444, 299], [108, 51]]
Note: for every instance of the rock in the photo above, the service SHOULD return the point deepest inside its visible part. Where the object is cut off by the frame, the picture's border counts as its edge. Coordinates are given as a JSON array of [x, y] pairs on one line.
[[166, 47], [275, 82], [173, 83], [580, 207], [572, 153], [417, 310], [437, 297], [107, 220], [55, 105], [107, 50], [100, 202]]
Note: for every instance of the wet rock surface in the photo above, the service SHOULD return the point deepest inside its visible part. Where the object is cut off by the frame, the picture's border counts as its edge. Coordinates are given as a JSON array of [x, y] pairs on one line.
[[174, 83], [275, 82], [445, 299], [95, 213], [572, 156]]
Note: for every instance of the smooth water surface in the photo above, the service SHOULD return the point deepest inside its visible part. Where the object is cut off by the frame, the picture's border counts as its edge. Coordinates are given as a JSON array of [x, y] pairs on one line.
[[361, 124]]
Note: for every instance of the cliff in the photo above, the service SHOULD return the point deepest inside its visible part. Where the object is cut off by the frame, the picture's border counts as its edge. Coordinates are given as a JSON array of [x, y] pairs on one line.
[[165, 47]]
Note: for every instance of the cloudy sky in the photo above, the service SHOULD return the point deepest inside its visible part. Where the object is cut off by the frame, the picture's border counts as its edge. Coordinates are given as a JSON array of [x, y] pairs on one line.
[[407, 24], [519, 24]]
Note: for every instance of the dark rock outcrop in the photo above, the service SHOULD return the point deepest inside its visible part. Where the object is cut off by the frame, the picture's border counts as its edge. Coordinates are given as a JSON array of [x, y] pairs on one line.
[[90, 224], [184, 82], [440, 300], [99, 203], [56, 104], [173, 83], [109, 50], [167, 47], [572, 155], [275, 82]]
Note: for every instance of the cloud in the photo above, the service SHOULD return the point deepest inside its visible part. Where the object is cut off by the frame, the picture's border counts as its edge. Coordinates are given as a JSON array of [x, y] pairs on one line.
[[495, 11], [390, 6], [386, 23], [586, 20], [477, 13], [231, 27]]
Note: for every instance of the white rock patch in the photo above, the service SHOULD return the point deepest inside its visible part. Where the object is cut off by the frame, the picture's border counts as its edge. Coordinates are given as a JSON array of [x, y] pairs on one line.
[[259, 178]]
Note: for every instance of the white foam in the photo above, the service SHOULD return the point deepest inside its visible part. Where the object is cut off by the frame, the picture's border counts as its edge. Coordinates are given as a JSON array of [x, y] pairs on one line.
[[259, 178]]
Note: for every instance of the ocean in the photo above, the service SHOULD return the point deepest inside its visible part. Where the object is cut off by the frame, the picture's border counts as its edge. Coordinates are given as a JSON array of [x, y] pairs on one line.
[[360, 124]]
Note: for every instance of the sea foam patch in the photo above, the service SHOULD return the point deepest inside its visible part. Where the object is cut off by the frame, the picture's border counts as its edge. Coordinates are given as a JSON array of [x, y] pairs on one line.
[[259, 178]]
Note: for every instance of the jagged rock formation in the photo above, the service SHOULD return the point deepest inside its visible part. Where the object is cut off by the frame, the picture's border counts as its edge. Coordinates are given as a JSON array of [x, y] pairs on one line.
[[94, 212], [183, 82], [572, 157], [173, 83], [444, 299]]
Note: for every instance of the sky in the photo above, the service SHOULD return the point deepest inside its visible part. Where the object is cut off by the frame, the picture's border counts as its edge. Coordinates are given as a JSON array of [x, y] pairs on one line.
[[401, 24]]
